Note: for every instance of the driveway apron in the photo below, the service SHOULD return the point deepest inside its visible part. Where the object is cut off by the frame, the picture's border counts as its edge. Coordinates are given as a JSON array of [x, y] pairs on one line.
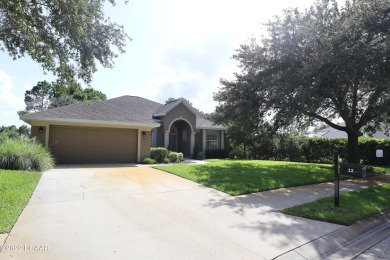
[[130, 212]]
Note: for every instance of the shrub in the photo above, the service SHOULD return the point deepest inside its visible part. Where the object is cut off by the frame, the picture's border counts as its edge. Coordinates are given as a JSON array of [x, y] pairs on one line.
[[370, 169], [311, 149], [172, 156], [166, 160], [236, 154], [368, 147], [159, 154], [24, 153], [217, 153], [201, 156], [149, 161], [180, 156], [175, 157], [195, 151]]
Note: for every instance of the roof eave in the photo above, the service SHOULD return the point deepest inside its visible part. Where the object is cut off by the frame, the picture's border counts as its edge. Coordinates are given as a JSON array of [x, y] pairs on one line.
[[159, 115], [211, 128], [85, 121]]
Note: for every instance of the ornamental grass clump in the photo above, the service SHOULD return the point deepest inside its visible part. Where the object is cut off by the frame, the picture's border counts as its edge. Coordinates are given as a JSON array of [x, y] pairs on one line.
[[24, 153]]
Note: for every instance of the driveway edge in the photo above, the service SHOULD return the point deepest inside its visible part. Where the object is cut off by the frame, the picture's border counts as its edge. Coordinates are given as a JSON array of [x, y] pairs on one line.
[[3, 238]]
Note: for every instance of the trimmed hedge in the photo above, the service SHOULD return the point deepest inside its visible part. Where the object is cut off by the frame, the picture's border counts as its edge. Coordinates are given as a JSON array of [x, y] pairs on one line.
[[163, 155], [149, 161], [158, 154], [314, 150], [175, 157], [368, 147], [217, 153]]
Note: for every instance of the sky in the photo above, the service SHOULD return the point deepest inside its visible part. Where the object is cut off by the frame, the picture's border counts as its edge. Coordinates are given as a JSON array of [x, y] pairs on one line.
[[179, 48]]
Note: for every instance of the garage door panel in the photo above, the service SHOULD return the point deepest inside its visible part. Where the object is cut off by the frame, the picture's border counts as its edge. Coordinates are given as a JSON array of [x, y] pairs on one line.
[[93, 145]]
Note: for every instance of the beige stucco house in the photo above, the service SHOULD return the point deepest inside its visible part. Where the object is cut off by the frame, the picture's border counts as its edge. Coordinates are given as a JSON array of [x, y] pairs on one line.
[[122, 130]]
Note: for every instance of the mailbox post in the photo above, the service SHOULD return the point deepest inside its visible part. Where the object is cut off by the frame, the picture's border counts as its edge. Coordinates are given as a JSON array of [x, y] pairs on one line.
[[336, 179], [350, 169]]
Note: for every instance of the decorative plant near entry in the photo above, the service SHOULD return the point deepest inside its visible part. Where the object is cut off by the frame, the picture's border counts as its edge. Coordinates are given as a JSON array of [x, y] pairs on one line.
[[163, 155]]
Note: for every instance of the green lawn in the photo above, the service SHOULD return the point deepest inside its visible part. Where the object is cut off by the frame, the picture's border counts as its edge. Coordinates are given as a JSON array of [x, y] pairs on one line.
[[354, 206], [237, 177], [16, 188], [384, 169]]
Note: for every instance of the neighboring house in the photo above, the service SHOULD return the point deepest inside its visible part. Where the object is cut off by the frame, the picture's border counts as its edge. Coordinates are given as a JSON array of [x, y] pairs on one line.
[[330, 132], [122, 130]]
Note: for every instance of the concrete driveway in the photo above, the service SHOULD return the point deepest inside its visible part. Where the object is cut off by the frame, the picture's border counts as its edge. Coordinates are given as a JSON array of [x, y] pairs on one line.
[[129, 212]]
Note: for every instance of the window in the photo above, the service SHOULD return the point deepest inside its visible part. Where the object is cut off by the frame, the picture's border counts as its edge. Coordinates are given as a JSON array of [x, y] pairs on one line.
[[212, 140], [153, 138]]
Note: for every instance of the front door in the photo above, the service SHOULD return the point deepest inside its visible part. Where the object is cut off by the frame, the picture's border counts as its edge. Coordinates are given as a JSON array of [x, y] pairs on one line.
[[173, 142]]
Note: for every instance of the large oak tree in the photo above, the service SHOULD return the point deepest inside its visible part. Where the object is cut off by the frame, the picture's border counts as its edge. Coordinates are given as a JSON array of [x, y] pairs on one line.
[[67, 37], [326, 63]]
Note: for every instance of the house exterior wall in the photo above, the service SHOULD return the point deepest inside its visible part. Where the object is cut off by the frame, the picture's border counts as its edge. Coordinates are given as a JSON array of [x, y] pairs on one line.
[[199, 138], [181, 111], [40, 137], [160, 136], [145, 145]]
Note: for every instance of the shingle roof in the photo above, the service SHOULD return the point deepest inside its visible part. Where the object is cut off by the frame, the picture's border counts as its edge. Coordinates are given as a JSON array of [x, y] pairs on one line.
[[136, 105], [112, 110], [124, 109], [330, 132], [202, 123], [163, 109]]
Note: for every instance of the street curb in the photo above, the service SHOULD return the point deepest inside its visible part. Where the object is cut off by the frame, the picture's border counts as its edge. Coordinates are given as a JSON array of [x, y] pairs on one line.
[[360, 244], [328, 245]]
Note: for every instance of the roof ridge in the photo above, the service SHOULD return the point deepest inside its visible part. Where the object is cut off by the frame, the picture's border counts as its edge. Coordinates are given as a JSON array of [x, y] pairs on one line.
[[126, 112], [137, 97]]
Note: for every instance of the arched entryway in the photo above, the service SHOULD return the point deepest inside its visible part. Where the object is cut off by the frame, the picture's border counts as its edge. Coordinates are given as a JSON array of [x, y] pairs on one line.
[[181, 137]]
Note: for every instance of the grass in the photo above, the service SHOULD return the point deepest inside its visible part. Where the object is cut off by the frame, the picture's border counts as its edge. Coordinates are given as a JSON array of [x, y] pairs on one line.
[[237, 177], [16, 188], [383, 169], [354, 206]]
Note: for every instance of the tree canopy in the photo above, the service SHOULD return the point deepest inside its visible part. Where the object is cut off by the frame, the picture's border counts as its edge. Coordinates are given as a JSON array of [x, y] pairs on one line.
[[14, 132], [67, 38], [45, 95], [325, 63]]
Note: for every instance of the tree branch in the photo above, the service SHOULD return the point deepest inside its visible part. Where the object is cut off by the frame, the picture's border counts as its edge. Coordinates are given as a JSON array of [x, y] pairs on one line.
[[327, 121]]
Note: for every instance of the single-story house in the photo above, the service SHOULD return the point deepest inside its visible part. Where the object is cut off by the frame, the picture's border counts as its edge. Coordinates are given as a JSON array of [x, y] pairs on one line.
[[330, 132], [122, 130]]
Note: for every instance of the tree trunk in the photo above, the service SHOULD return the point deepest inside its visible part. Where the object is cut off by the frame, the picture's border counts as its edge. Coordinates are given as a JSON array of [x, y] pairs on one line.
[[353, 147]]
